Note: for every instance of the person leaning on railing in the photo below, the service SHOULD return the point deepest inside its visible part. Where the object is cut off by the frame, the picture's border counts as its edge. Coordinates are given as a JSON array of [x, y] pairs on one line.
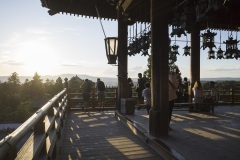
[[215, 96]]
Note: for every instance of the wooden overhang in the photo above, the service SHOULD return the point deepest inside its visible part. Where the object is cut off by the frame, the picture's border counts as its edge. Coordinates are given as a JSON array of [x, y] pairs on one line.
[[84, 8], [222, 15]]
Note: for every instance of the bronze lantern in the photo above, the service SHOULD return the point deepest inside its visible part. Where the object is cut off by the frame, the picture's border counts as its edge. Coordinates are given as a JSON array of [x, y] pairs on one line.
[[175, 49], [231, 47], [219, 53], [236, 54], [211, 54], [186, 50], [208, 39]]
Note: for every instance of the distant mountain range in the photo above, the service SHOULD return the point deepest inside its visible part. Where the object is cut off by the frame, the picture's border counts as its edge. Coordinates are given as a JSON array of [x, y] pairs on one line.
[[109, 81]]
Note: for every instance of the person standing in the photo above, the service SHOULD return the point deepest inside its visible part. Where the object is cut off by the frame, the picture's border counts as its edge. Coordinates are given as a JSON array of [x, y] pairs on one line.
[[146, 93], [185, 89], [173, 82], [214, 92], [140, 87], [86, 93], [101, 93], [197, 92], [130, 85]]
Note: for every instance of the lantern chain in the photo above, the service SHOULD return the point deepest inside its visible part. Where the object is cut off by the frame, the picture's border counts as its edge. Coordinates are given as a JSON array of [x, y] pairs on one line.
[[99, 18]]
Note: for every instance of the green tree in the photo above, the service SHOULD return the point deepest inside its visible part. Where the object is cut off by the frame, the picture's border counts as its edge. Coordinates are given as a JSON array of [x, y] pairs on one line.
[[14, 83], [58, 85], [173, 68], [14, 79], [36, 86], [26, 89], [49, 88]]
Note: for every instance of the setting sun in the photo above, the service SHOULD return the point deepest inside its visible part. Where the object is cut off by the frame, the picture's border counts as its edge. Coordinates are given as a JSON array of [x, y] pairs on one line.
[[37, 57]]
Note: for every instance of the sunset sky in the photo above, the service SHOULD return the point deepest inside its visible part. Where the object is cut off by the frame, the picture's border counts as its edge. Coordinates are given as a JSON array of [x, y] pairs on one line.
[[33, 41]]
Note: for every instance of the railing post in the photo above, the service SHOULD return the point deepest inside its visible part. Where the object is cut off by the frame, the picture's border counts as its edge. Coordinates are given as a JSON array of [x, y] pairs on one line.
[[39, 129], [51, 111], [117, 102]]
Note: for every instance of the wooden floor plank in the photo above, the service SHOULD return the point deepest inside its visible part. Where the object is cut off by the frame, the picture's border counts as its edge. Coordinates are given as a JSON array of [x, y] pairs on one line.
[[99, 135]]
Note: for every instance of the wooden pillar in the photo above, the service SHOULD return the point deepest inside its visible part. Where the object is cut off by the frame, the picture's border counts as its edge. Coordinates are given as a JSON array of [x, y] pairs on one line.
[[158, 118], [122, 59], [195, 55]]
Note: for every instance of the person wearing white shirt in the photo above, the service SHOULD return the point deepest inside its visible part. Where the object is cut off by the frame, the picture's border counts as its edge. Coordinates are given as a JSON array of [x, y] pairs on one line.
[[146, 93]]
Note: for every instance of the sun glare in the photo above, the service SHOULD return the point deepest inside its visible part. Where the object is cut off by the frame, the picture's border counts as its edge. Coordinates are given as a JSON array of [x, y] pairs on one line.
[[38, 58]]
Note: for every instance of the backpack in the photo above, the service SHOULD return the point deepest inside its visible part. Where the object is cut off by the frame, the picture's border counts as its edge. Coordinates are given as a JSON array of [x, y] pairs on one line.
[[87, 88], [101, 86]]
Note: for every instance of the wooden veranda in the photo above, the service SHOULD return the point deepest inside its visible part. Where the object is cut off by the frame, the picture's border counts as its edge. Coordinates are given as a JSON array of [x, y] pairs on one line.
[[196, 15]]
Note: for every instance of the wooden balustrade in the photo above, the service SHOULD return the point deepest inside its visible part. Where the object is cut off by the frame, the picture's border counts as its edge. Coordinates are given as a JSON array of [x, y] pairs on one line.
[[41, 132], [231, 96], [227, 96], [75, 98]]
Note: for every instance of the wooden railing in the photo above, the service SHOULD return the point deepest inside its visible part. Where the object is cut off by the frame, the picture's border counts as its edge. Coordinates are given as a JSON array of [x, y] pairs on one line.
[[76, 100], [227, 96], [230, 96], [41, 133]]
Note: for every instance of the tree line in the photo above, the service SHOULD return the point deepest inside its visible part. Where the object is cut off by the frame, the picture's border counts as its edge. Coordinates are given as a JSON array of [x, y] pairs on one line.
[[19, 101]]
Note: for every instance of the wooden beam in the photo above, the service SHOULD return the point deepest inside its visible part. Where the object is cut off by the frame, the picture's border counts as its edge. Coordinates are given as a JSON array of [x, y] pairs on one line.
[[158, 120], [122, 58]]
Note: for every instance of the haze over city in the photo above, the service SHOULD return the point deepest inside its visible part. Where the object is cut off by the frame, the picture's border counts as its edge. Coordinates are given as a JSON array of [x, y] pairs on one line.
[[33, 41]]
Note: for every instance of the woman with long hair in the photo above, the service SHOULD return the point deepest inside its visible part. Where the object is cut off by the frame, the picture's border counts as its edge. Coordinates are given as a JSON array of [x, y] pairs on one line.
[[197, 92]]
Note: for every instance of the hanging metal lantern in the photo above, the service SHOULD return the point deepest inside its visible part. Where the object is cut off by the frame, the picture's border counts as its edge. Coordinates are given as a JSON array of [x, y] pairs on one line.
[[175, 49], [177, 30], [208, 39], [111, 44], [211, 54], [231, 47], [220, 53], [186, 50], [236, 55], [228, 55]]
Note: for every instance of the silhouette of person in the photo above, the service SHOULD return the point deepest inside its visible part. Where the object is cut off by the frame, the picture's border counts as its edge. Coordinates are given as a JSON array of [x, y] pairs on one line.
[[140, 87], [101, 93], [86, 93]]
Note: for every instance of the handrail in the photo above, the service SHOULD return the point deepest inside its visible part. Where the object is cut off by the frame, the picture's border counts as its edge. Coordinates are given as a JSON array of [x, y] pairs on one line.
[[9, 143]]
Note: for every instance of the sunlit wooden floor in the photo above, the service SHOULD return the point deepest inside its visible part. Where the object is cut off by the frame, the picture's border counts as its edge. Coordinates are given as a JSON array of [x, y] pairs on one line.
[[99, 135], [203, 135]]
